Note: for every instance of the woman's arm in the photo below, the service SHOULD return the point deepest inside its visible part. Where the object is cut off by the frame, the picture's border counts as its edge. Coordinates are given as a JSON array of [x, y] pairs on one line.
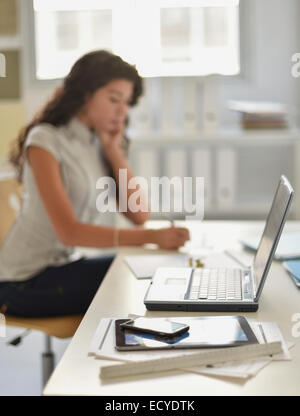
[[111, 144], [72, 232], [117, 162]]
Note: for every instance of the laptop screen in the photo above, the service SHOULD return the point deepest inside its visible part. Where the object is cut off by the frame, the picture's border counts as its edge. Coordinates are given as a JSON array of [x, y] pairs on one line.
[[273, 228]]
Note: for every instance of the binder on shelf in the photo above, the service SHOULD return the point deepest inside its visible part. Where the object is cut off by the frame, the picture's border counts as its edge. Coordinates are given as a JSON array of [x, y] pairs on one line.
[[202, 168], [226, 175], [211, 104], [167, 107], [140, 122], [176, 170], [189, 105]]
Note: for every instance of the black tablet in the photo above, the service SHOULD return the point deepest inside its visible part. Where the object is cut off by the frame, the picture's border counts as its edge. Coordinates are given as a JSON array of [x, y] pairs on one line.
[[204, 332]]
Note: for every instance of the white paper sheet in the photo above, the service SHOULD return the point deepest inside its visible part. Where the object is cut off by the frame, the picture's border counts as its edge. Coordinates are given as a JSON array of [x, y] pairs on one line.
[[243, 371], [265, 332], [144, 267]]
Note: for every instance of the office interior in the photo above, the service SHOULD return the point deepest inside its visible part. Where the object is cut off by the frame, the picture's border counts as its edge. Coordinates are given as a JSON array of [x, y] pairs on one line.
[[191, 120]]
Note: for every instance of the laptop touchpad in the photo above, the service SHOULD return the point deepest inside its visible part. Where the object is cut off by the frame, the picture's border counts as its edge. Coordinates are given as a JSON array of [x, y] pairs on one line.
[[175, 281]]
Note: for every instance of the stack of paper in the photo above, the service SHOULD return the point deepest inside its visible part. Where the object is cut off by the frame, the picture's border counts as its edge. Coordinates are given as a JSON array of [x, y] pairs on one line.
[[103, 347], [260, 115], [144, 267]]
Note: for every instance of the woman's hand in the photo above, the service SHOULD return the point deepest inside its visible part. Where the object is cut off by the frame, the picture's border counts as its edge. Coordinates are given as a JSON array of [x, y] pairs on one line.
[[171, 238], [111, 142]]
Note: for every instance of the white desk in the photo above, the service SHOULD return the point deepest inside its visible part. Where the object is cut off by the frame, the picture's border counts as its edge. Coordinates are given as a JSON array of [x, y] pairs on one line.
[[121, 293]]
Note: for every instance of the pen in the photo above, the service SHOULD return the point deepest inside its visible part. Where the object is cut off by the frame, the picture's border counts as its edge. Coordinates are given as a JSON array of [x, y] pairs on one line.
[[191, 261]]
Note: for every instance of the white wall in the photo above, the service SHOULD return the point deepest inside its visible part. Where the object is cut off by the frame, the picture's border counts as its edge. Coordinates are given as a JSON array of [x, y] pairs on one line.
[[269, 37]]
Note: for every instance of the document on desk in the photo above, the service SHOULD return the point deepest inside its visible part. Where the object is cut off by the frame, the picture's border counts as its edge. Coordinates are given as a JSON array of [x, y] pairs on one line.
[[244, 370], [103, 347], [265, 332], [293, 269], [288, 247], [144, 267]]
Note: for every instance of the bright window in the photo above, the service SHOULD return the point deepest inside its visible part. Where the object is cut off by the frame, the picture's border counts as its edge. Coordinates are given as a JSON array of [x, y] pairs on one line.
[[161, 37]]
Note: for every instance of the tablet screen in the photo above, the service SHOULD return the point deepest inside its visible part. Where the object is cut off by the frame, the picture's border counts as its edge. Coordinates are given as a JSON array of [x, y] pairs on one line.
[[205, 332]]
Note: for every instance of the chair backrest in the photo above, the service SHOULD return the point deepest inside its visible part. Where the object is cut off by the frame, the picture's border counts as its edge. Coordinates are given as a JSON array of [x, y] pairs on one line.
[[10, 199]]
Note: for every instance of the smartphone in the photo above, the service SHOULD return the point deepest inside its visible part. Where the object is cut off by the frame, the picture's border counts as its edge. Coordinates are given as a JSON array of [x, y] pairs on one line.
[[163, 327]]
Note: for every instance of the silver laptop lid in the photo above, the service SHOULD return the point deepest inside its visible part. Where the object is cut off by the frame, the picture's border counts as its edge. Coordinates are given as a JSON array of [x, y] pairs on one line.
[[272, 232]]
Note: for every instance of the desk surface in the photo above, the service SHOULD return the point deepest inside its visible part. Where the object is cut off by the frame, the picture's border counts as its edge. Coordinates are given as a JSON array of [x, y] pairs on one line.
[[121, 293]]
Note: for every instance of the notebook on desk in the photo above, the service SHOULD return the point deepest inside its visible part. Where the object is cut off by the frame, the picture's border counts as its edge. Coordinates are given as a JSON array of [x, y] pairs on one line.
[[293, 268], [223, 289], [288, 246], [144, 267]]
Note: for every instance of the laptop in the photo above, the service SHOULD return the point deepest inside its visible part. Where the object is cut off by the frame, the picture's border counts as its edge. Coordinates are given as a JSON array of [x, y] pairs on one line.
[[222, 289]]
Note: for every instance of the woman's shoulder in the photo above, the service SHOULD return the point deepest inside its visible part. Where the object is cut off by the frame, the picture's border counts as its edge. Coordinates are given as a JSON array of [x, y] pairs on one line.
[[43, 129], [46, 136]]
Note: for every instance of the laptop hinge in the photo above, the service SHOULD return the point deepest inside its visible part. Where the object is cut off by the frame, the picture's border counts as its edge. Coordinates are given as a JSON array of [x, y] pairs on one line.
[[186, 295]]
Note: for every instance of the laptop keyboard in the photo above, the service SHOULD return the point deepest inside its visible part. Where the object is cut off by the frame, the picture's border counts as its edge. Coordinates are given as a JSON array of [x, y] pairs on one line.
[[216, 284]]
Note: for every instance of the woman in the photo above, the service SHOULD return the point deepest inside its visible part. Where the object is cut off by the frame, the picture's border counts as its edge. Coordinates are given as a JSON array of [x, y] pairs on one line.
[[76, 139]]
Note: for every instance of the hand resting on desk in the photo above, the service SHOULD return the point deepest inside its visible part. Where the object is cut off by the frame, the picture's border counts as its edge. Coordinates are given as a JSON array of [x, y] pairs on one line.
[[171, 238]]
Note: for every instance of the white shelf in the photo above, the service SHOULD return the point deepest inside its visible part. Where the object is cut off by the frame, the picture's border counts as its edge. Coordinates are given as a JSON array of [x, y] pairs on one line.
[[230, 134], [10, 42]]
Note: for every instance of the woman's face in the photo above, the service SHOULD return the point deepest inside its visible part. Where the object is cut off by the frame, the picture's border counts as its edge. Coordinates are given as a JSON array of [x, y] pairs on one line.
[[108, 107]]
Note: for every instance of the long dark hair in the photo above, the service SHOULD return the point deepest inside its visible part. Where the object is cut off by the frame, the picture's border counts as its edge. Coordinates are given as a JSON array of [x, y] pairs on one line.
[[92, 71]]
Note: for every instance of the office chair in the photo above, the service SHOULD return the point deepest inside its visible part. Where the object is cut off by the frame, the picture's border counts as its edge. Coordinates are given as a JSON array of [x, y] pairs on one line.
[[60, 327]]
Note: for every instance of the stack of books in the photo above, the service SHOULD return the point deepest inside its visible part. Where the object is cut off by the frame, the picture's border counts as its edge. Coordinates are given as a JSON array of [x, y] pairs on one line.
[[261, 115]]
